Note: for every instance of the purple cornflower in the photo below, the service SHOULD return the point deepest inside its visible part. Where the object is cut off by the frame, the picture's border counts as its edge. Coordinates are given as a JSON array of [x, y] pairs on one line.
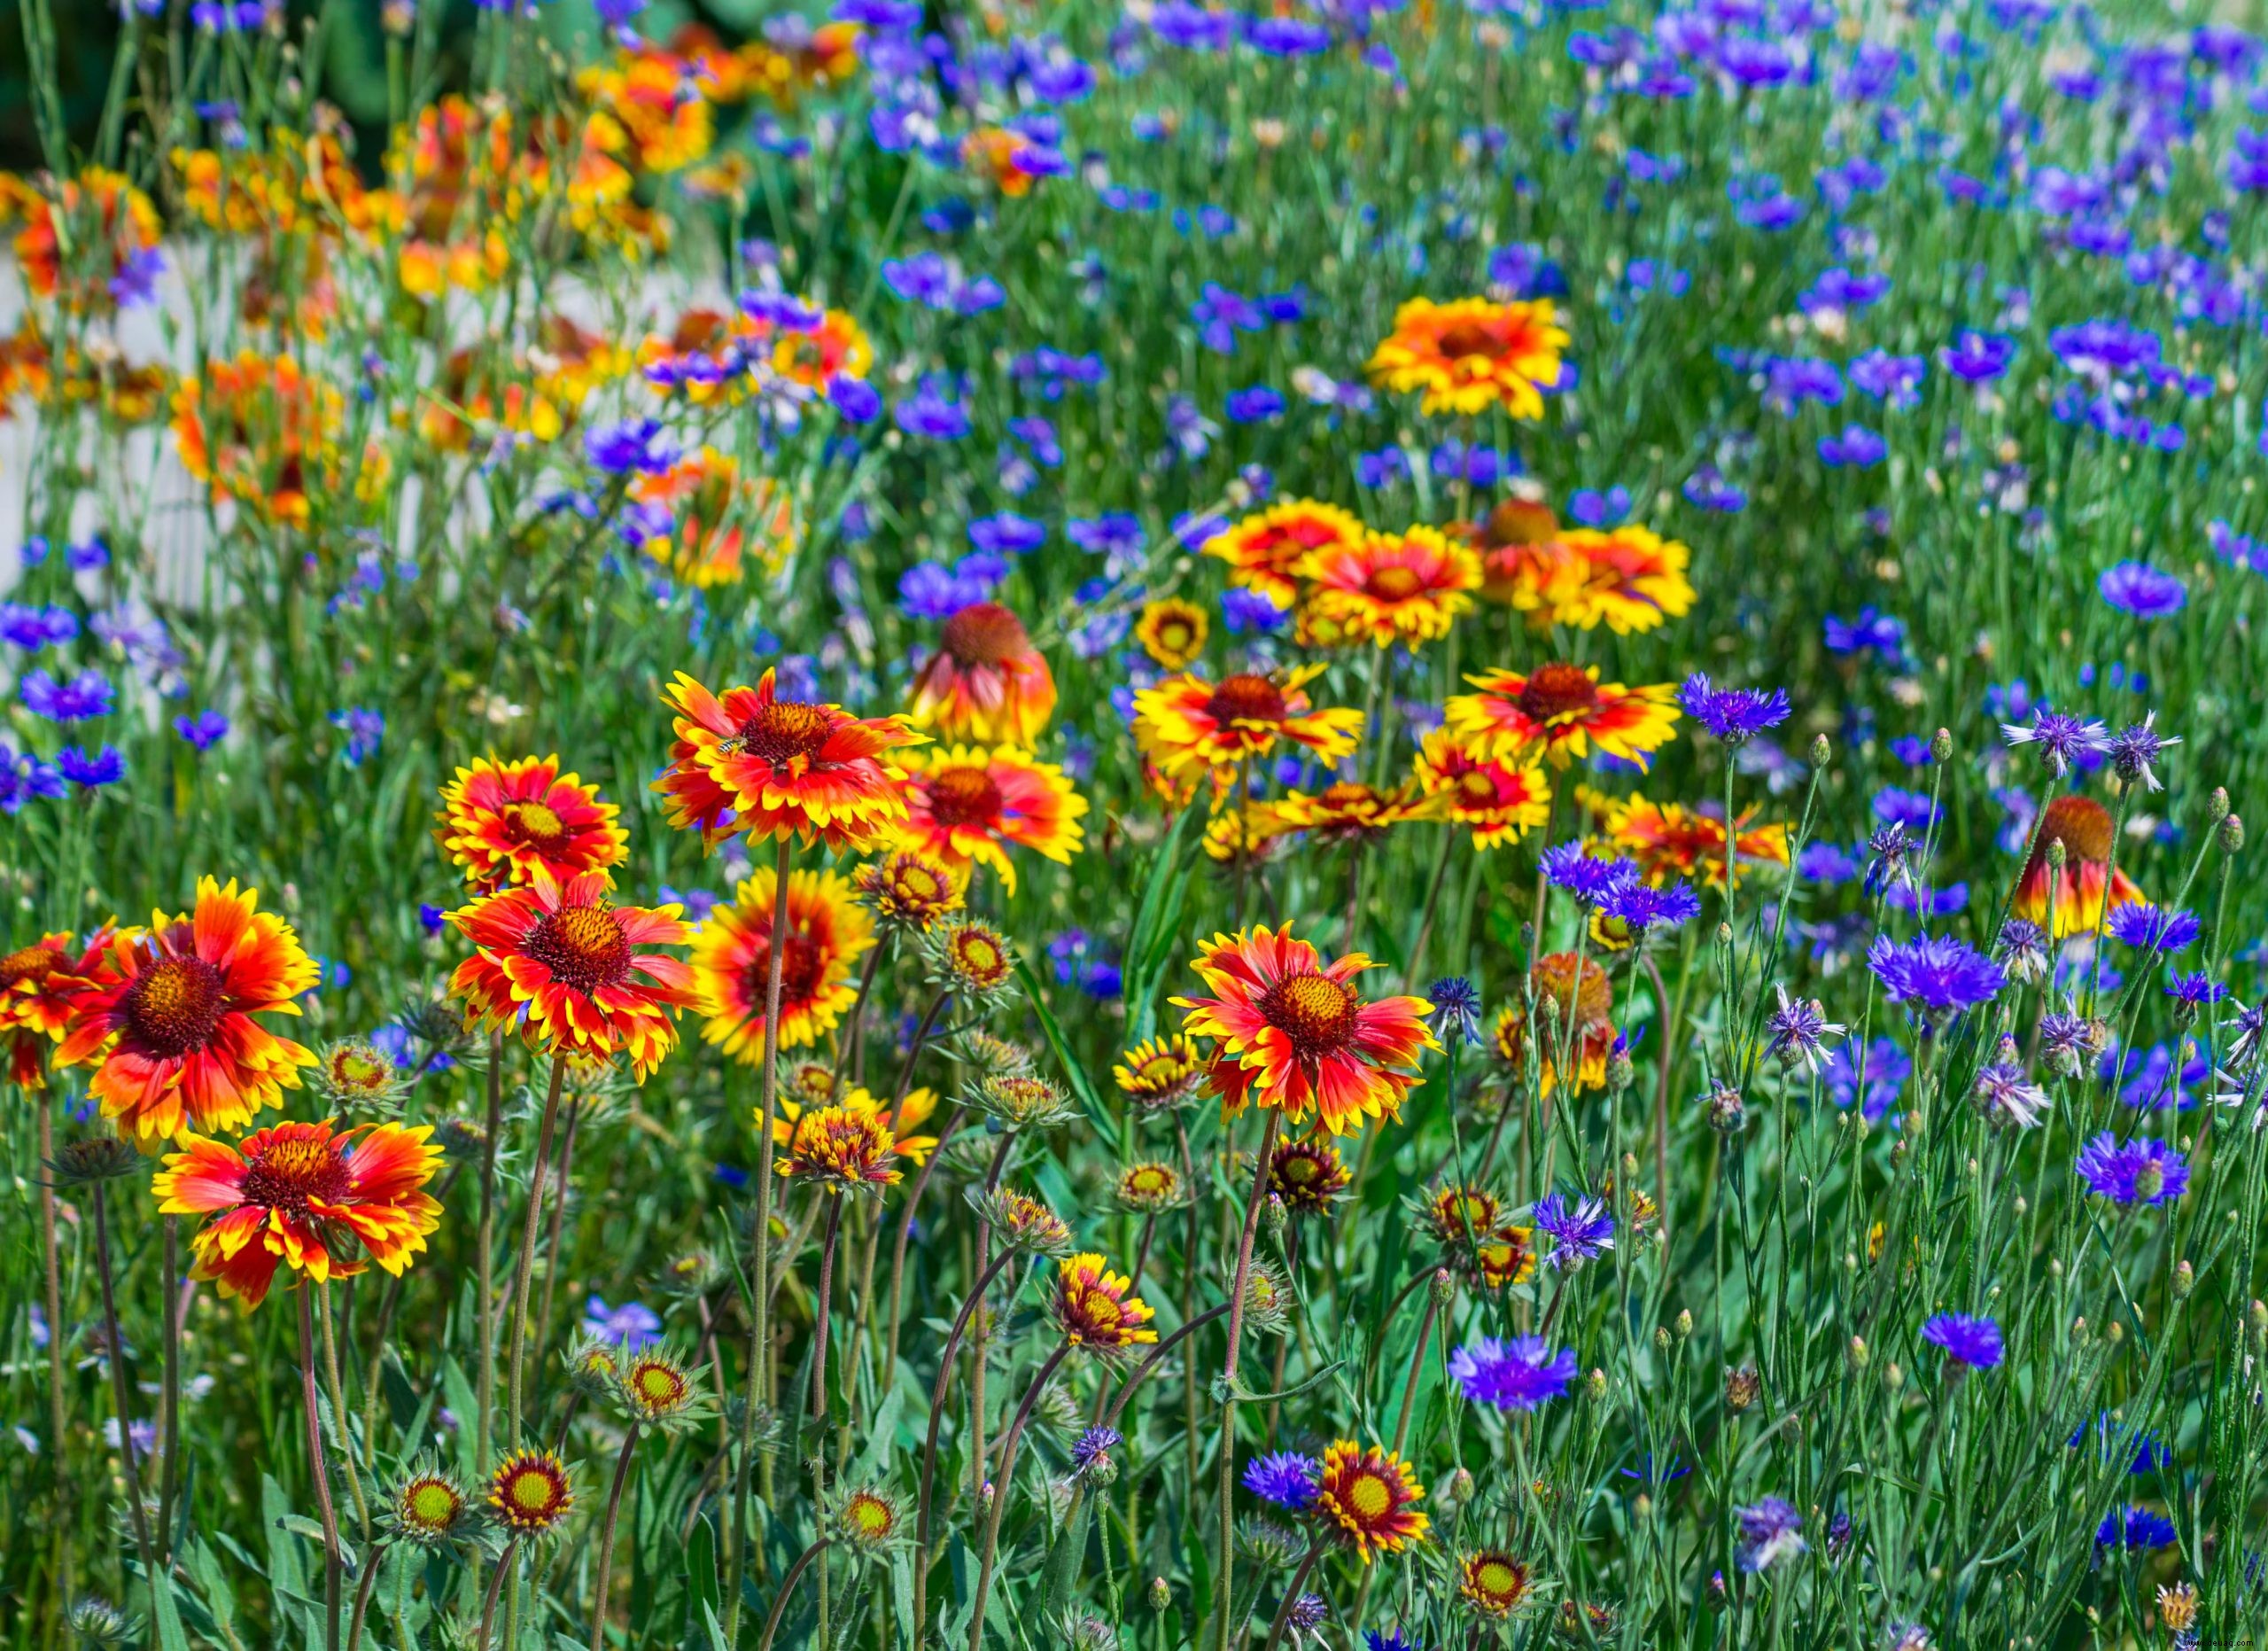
[[633, 1325], [1586, 875], [1008, 533], [2194, 991], [1309, 1611], [1890, 853], [2134, 1528], [1971, 1340], [90, 768], [2006, 1095], [2148, 928], [1093, 1445], [85, 695], [1770, 1530], [1977, 357], [2062, 739], [205, 730], [1638, 907], [1516, 1375], [1873, 631], [364, 729], [2065, 1041], [1285, 1478], [634, 444], [1939, 975], [1733, 714], [2135, 748], [2144, 591], [2023, 950], [2141, 1171], [1799, 1027], [1579, 1229]]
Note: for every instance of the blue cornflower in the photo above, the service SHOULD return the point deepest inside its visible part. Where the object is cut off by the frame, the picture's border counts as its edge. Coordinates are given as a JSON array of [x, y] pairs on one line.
[[1873, 631], [2141, 1171], [1093, 1445], [364, 729], [1285, 1478], [1242, 611], [1827, 863], [1579, 1228], [1456, 1017], [2135, 749], [1770, 1530], [1515, 1374], [1977, 357], [637, 444], [633, 1324], [1588, 877], [2146, 592], [931, 414], [85, 695], [1114, 532], [2149, 928], [1894, 805], [1970, 1340], [1008, 533], [2062, 739], [1255, 405], [2149, 1454], [854, 397], [91, 768], [1799, 1029], [205, 730], [1639, 907], [1857, 447], [1733, 714], [2134, 1528], [1938, 976], [1386, 1639], [2195, 990], [33, 629]]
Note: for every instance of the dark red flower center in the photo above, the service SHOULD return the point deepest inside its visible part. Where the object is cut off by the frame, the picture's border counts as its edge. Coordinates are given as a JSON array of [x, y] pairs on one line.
[[964, 796], [1314, 1011], [1475, 787], [1246, 698], [32, 963], [2081, 824], [1469, 338], [583, 946], [781, 731], [175, 1005], [288, 1173], [1394, 583], [1558, 690], [984, 633], [532, 824], [803, 966], [1519, 522]]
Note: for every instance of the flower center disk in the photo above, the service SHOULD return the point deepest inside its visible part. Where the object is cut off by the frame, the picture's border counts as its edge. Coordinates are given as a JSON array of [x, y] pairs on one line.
[[1558, 690], [175, 1005], [583, 946], [1246, 698], [964, 796], [783, 732], [1315, 1013], [984, 633]]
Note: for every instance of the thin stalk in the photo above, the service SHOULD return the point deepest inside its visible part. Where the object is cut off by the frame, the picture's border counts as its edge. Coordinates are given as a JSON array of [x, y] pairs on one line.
[[495, 1586], [485, 1245], [1243, 1277], [169, 1402], [905, 1229], [606, 1538], [59, 1419], [558, 1220], [1416, 1365], [371, 1566], [930, 1446], [1008, 1444], [786, 1588], [115, 1357], [524, 1270], [333, 1560], [1292, 1592], [338, 1414]]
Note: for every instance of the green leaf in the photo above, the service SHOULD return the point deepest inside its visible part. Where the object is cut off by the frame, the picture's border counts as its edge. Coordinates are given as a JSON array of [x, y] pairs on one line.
[[1081, 1087], [1156, 922], [701, 1587]]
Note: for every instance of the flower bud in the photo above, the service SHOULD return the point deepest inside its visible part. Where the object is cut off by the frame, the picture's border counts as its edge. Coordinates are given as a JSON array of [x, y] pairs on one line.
[[2114, 1332], [1941, 744], [2185, 1280], [2056, 855], [1742, 1388], [1595, 1385], [1857, 1352], [1662, 1339], [1893, 1377], [1728, 1113], [2232, 835], [2216, 805], [1442, 1287], [1724, 934], [1821, 751], [1683, 1324], [1161, 1593]]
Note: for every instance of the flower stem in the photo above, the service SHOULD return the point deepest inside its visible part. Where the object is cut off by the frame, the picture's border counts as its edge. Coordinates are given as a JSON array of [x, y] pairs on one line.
[[525, 1267], [495, 1586], [58, 1420], [786, 1588], [114, 1356], [485, 1262], [606, 1538], [1227, 1558], [333, 1561], [1008, 1442], [929, 1447], [558, 1220], [1416, 1365], [1292, 1592], [905, 1229], [169, 1402]]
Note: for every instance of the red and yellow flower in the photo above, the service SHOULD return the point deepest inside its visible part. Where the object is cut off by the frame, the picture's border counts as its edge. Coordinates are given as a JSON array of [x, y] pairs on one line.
[[261, 434], [717, 518], [1292, 1034], [1187, 725], [754, 763], [38, 984], [841, 1149], [911, 891], [503, 820], [1307, 1175], [1172, 632], [1367, 1499], [170, 1013], [907, 1116], [1580, 1002], [1472, 353], [288, 1194], [1560, 711], [564, 964], [529, 1493], [1493, 1581], [996, 153], [1517, 544], [1500, 801], [965, 803], [827, 932], [986, 681], [2076, 899], [1096, 1309], [1392, 588], [99, 209], [1349, 812], [1629, 579], [1669, 840], [1160, 1072], [1266, 550]]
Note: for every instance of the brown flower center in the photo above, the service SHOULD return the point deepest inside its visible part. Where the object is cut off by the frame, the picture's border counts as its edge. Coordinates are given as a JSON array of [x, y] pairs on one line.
[[2082, 825], [782, 732], [1246, 698], [583, 946], [1461, 339], [290, 1172], [1558, 690], [1393, 584], [32, 963], [175, 1005], [532, 825], [963, 797], [984, 633], [802, 966], [1316, 1012], [1519, 522]]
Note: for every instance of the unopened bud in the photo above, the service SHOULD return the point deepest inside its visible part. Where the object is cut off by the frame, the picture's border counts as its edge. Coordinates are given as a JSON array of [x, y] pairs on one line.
[[2080, 1333], [1724, 934], [2258, 1314], [1727, 1111], [1273, 1214], [2216, 805], [1857, 1352], [1821, 751], [1161, 1593], [1442, 1287], [1661, 1338], [1595, 1385], [2232, 836], [1683, 1324], [2149, 1181], [1621, 1071], [2185, 1280], [2114, 1332], [1893, 1377], [1941, 744], [2056, 854], [1743, 1387]]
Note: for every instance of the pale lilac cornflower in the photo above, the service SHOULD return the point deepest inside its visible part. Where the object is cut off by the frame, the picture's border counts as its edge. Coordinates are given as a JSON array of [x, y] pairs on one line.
[[1799, 1028], [2023, 950], [1579, 1229], [1770, 1530], [2063, 738], [2006, 1095], [2135, 749]]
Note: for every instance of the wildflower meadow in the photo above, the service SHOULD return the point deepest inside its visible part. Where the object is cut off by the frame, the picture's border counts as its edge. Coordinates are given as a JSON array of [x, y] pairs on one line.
[[1380, 824]]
